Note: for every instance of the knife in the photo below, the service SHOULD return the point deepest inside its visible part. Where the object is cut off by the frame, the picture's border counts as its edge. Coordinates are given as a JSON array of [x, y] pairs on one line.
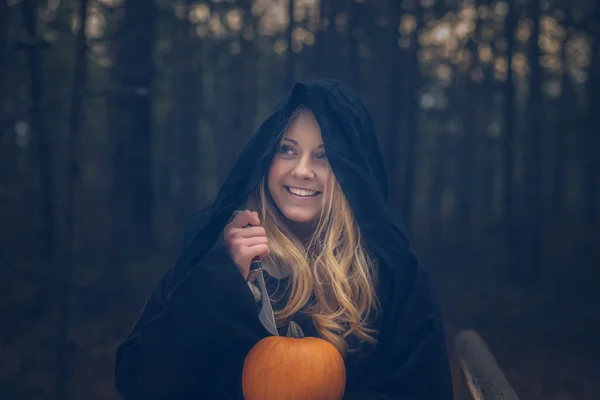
[[265, 313]]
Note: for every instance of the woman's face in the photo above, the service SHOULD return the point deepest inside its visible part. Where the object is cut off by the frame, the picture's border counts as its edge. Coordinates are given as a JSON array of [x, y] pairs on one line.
[[299, 173]]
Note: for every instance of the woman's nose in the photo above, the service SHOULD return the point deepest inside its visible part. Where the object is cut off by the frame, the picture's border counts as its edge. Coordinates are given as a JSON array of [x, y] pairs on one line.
[[303, 170]]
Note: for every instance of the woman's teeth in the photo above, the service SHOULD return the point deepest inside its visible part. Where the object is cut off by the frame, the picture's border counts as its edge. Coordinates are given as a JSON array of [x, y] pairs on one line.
[[302, 192]]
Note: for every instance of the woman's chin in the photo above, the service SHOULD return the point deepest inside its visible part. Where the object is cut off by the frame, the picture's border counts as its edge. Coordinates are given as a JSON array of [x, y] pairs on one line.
[[295, 217]]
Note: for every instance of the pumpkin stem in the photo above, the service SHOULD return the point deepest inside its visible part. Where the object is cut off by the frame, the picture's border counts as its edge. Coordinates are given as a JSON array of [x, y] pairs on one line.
[[294, 330]]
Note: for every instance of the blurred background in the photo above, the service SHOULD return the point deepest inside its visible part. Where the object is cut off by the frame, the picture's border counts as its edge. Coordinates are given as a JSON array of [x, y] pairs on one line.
[[120, 118]]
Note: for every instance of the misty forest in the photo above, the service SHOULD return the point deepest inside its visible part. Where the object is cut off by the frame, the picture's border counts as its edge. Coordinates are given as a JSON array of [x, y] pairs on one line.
[[121, 118]]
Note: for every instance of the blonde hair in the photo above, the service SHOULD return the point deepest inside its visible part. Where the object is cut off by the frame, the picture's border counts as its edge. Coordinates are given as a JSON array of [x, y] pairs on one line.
[[333, 276]]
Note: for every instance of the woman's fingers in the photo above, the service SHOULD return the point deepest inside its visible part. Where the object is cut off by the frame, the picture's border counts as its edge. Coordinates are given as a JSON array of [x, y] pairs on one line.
[[245, 218], [251, 231], [260, 250], [246, 240], [253, 241]]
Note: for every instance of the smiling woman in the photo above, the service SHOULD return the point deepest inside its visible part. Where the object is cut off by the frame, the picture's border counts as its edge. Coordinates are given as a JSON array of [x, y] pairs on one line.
[[336, 265], [299, 173]]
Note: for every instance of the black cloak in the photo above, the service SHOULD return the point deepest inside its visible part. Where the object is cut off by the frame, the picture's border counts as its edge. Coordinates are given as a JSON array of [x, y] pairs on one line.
[[201, 319]]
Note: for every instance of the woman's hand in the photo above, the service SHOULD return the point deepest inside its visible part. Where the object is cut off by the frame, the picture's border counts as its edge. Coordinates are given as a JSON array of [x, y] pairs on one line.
[[246, 242]]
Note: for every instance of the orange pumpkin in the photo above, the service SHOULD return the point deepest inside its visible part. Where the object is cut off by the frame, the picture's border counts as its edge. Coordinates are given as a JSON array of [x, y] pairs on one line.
[[287, 368]]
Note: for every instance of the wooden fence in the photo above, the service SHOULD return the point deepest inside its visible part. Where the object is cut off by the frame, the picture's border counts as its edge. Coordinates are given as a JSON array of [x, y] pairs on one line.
[[477, 374]]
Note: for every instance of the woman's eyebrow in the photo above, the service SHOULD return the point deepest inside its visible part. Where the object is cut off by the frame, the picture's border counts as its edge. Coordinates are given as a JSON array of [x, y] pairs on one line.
[[296, 143]]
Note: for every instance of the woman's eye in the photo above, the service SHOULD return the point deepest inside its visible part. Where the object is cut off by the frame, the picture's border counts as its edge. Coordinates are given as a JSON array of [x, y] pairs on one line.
[[285, 149], [322, 156]]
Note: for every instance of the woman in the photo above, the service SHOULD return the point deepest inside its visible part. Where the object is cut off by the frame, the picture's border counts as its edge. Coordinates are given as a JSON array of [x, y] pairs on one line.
[[335, 263]]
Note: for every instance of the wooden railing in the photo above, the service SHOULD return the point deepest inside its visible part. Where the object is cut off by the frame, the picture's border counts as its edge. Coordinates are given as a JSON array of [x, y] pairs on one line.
[[477, 374]]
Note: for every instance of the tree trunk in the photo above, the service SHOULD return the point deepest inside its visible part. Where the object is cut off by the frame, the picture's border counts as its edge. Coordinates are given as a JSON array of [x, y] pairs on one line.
[[240, 91], [131, 130], [187, 93], [44, 144], [467, 152], [66, 347], [322, 38], [469, 99], [290, 72], [245, 85], [356, 10], [335, 63], [410, 82], [532, 238], [592, 158], [509, 139], [562, 115], [4, 23], [437, 189], [487, 154], [392, 141]]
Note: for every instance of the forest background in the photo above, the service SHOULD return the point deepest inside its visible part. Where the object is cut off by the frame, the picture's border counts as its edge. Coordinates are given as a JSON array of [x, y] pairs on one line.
[[120, 118]]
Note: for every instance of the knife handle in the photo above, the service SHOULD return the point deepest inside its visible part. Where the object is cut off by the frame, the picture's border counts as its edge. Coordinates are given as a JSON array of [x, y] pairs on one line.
[[255, 265]]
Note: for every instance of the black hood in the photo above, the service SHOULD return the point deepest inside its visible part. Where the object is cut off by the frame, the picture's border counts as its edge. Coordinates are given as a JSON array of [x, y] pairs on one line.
[[354, 154]]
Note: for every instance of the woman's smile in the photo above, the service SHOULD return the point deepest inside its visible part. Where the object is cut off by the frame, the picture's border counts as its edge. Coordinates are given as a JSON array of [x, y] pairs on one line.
[[300, 193]]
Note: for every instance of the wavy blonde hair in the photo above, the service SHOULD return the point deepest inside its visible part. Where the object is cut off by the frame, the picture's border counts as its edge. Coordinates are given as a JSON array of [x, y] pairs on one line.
[[333, 276]]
